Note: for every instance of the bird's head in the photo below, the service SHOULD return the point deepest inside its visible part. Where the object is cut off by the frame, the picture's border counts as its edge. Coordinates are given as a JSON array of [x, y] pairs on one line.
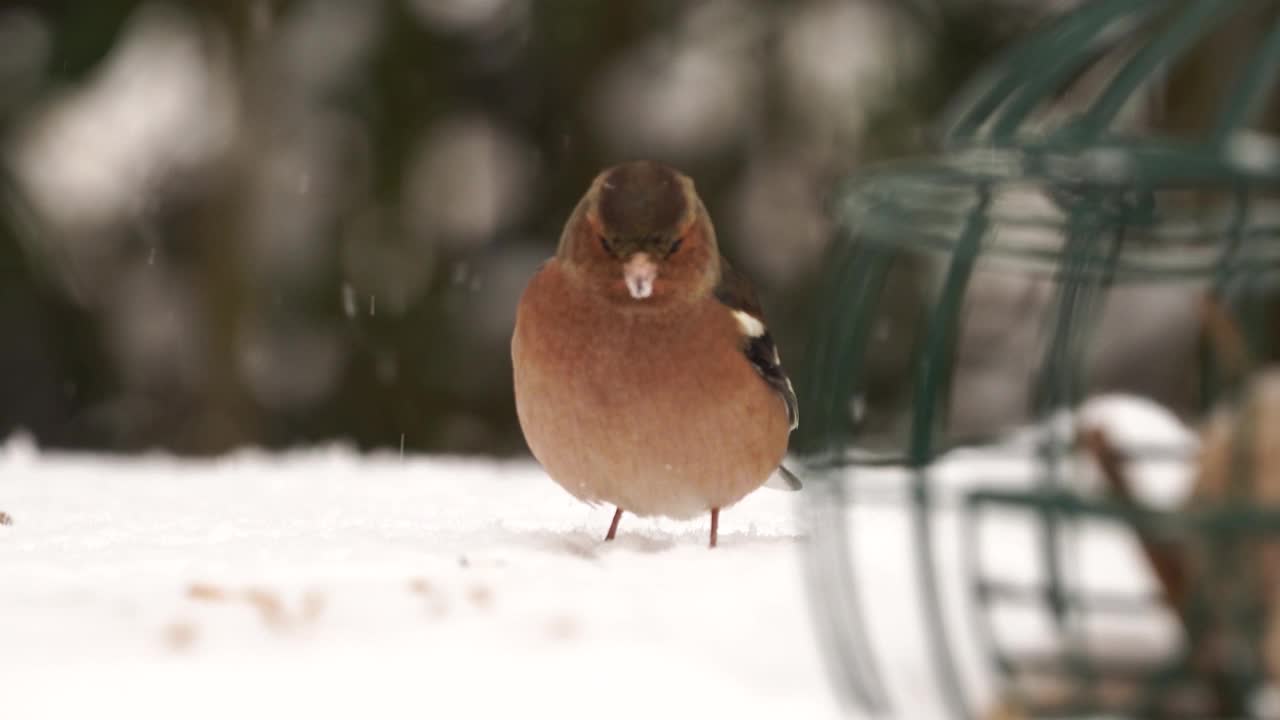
[[642, 237]]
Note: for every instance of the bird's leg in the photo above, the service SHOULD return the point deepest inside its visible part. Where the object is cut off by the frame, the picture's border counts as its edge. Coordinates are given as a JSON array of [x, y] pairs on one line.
[[715, 524], [613, 526]]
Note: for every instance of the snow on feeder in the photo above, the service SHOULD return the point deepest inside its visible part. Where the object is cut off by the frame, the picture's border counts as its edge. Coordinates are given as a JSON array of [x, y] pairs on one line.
[[984, 306]]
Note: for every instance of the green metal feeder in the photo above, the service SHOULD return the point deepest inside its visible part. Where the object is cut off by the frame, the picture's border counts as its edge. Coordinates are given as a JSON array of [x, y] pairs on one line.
[[1128, 147]]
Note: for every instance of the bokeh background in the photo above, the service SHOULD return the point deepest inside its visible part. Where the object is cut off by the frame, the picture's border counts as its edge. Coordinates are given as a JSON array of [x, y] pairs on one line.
[[271, 223]]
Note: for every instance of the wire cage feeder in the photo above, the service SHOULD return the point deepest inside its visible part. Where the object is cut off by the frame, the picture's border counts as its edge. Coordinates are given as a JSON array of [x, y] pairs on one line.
[[1110, 171]]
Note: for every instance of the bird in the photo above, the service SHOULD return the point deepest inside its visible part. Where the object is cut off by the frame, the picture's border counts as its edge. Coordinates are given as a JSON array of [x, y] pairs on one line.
[[645, 376]]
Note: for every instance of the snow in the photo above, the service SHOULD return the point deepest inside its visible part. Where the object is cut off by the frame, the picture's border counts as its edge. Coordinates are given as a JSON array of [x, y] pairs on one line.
[[329, 584], [1097, 557], [325, 584]]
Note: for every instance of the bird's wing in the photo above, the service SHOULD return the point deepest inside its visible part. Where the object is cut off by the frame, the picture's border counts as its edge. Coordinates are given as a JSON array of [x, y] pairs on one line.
[[736, 293]]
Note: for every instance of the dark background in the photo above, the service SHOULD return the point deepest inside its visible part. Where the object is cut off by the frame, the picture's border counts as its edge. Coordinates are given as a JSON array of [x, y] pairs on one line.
[[273, 223]]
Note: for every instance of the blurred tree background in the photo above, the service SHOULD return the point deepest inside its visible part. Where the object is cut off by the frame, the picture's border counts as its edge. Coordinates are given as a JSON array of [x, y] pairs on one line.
[[275, 222]]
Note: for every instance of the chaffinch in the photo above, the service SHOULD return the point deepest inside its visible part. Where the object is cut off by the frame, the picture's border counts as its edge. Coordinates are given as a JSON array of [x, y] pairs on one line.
[[645, 376]]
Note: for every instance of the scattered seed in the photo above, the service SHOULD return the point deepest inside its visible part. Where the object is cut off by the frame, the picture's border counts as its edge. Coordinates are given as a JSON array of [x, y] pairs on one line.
[[481, 596], [269, 607], [420, 586], [313, 605], [6, 518], [180, 636], [206, 593]]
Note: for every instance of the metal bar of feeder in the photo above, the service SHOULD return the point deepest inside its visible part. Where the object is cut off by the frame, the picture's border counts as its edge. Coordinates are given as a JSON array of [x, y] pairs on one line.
[[934, 365]]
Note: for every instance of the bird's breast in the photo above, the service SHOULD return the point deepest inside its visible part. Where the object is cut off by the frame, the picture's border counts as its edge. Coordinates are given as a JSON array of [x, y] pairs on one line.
[[656, 411]]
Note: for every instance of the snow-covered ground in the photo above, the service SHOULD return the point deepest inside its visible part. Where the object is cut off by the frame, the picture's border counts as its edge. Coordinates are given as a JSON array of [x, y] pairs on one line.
[[323, 583]]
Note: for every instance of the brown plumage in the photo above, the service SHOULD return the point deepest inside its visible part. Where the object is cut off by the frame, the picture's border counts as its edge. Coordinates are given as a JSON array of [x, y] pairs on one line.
[[644, 376]]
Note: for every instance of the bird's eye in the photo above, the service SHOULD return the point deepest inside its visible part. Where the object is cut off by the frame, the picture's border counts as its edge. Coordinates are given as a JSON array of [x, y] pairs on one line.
[[604, 243], [675, 246]]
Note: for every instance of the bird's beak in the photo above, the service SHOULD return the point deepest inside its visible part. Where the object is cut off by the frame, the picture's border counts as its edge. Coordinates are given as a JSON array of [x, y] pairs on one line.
[[639, 272]]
